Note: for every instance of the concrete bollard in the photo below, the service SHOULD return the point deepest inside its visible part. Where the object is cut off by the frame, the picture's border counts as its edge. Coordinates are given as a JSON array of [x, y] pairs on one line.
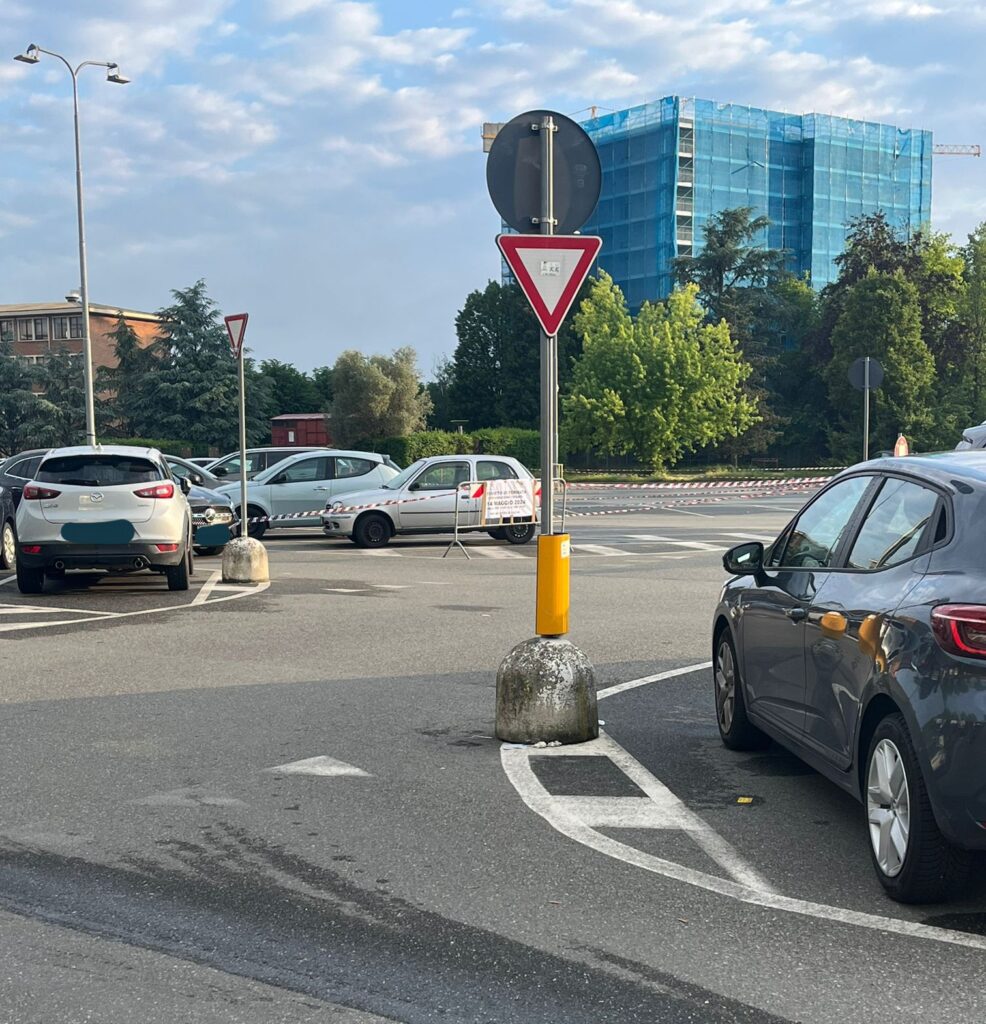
[[245, 561], [546, 690]]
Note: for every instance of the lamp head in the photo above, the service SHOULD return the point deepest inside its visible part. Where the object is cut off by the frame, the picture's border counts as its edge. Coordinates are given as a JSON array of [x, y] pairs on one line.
[[113, 75], [30, 55]]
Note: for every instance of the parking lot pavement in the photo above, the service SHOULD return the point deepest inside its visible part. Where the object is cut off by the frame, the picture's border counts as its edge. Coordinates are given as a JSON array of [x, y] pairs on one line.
[[301, 788]]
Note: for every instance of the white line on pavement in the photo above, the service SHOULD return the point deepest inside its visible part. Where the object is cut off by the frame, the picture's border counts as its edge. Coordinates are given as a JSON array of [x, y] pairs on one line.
[[494, 552], [632, 684], [319, 766], [774, 508], [749, 536], [37, 609], [598, 549], [686, 512], [207, 587]]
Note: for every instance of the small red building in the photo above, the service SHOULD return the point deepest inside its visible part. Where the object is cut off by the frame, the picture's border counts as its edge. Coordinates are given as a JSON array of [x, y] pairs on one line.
[[304, 429]]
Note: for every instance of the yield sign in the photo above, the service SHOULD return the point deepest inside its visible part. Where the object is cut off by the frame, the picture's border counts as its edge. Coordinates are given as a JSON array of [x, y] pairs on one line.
[[550, 270], [236, 328]]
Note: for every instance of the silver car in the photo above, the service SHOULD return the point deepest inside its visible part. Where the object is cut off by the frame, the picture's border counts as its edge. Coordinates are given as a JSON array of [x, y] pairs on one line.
[[103, 507], [423, 499]]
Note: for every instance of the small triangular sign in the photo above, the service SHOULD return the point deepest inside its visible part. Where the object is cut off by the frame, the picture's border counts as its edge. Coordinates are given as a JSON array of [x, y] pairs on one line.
[[550, 270], [236, 328]]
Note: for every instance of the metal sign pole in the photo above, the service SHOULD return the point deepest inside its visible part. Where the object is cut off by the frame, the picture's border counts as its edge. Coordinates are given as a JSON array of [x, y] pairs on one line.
[[549, 344], [866, 409], [244, 529]]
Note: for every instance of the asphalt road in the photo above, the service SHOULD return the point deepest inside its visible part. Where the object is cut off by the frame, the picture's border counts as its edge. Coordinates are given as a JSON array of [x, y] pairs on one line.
[[165, 856]]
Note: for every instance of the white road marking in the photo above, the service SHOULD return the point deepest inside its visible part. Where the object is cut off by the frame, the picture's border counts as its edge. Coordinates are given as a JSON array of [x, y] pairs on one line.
[[345, 590], [686, 512], [207, 587], [749, 536], [9, 579], [494, 552], [390, 586], [38, 609], [611, 691], [517, 766], [319, 766], [773, 508], [384, 553], [599, 549], [695, 544]]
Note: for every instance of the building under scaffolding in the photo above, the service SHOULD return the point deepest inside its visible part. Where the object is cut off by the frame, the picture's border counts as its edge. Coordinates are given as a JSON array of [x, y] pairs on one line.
[[669, 165]]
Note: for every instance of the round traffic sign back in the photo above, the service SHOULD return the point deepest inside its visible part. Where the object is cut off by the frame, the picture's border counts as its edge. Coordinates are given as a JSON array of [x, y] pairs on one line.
[[513, 173], [857, 374]]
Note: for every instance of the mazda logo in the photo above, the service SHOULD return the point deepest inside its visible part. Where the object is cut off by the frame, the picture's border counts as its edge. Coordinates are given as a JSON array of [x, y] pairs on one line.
[[95, 496]]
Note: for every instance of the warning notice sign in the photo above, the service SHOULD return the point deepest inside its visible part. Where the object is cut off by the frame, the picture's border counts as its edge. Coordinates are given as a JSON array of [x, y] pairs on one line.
[[508, 499]]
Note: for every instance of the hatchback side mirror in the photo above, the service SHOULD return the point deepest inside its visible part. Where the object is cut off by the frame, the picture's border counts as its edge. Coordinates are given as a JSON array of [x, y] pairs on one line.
[[744, 559], [415, 486], [185, 484], [197, 478]]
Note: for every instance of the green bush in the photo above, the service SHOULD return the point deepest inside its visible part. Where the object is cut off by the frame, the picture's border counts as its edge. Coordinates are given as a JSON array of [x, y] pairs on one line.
[[187, 449], [512, 441]]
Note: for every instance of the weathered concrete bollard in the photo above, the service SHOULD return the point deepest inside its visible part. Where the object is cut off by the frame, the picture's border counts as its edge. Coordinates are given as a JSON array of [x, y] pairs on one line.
[[245, 561], [546, 690]]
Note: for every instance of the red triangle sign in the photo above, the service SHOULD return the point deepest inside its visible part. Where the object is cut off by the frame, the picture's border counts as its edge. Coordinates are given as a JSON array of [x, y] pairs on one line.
[[550, 270], [236, 328]]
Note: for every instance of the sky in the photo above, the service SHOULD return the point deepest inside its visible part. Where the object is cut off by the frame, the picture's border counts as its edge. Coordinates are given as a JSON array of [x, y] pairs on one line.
[[319, 162]]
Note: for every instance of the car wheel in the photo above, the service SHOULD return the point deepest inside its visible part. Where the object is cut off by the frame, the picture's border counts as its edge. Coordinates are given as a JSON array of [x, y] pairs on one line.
[[498, 534], [913, 860], [55, 574], [207, 551], [372, 531], [735, 729], [8, 547], [522, 533], [178, 575], [256, 530], [30, 580]]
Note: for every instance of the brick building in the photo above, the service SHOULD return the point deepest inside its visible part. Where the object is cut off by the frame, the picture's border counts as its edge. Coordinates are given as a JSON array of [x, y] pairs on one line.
[[36, 329]]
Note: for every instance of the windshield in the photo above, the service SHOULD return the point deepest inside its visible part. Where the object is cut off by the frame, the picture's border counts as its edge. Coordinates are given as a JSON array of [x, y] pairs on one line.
[[397, 482]]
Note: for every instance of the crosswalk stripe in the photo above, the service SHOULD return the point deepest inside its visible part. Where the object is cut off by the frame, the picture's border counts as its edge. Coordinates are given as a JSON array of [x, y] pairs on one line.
[[598, 549], [495, 552], [748, 536]]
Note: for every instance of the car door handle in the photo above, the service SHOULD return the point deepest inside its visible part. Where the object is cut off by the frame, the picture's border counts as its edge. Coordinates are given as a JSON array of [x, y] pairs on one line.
[[796, 614], [321, 488]]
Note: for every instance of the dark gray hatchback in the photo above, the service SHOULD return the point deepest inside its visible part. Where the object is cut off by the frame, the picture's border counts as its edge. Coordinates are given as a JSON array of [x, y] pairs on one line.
[[858, 641]]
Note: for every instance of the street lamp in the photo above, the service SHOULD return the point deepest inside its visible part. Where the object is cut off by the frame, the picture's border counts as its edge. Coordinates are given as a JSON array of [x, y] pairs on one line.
[[31, 56]]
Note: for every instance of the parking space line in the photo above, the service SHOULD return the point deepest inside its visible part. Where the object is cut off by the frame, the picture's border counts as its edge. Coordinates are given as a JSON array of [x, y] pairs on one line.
[[494, 552], [598, 549], [35, 609], [749, 536], [207, 587], [611, 691], [686, 512]]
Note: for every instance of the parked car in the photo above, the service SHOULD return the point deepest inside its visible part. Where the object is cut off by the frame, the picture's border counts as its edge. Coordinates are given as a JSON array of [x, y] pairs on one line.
[[214, 520], [305, 482], [972, 437], [199, 460], [19, 469], [257, 460], [103, 507], [197, 475], [857, 640], [437, 477], [8, 532]]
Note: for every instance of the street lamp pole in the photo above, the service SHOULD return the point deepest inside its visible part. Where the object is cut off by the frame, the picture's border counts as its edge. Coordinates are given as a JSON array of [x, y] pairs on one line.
[[31, 56]]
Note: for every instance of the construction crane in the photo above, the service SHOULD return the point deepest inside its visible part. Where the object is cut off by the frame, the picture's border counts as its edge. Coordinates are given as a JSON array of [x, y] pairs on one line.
[[939, 150]]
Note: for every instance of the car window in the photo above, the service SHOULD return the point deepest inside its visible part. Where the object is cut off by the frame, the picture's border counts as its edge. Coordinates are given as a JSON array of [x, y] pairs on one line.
[[178, 470], [273, 458], [815, 537], [494, 471], [98, 470], [347, 466], [894, 525], [443, 476], [304, 471], [24, 468]]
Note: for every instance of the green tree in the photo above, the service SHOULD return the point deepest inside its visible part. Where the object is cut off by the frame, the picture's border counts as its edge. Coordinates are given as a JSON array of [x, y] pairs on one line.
[[380, 396], [123, 410], [882, 318], [972, 314], [290, 389], [322, 381], [655, 386], [439, 391], [62, 382], [22, 412]]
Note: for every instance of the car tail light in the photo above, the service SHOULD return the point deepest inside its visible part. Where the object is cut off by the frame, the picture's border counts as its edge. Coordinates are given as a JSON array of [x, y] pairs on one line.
[[166, 547], [34, 493], [31, 549], [157, 491], [961, 628]]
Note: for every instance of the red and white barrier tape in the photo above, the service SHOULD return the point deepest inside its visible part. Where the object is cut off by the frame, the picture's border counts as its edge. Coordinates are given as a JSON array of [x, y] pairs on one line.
[[709, 484]]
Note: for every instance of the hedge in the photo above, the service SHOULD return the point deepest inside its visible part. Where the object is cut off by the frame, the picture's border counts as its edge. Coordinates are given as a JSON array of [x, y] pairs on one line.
[[187, 449], [523, 445]]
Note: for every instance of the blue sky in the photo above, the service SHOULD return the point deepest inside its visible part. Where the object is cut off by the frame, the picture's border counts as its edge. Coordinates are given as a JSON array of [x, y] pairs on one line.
[[319, 162]]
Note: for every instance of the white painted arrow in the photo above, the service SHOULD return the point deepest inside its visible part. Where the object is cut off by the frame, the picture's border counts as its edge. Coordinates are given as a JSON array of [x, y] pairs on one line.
[[319, 766]]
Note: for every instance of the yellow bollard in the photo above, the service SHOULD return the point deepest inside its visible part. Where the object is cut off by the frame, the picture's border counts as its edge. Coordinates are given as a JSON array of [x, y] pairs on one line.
[[553, 598]]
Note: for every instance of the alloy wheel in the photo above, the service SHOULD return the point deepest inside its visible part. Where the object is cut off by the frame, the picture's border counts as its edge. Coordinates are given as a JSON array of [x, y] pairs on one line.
[[888, 807], [725, 685], [9, 546]]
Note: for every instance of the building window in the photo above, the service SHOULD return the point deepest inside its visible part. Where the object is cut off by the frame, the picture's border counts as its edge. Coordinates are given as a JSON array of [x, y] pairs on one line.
[[40, 329], [25, 330], [59, 328], [6, 330], [75, 326]]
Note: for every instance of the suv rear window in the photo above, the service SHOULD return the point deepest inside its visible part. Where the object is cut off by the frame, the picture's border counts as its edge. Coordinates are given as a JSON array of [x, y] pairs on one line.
[[98, 470]]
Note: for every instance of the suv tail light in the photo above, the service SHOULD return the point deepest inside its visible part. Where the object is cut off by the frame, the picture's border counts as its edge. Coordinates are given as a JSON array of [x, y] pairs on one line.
[[961, 628], [157, 491], [34, 493]]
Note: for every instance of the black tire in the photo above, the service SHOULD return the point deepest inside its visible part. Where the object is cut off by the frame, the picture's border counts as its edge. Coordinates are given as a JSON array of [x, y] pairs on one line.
[[8, 546], [735, 729], [498, 534], [205, 552], [372, 531], [178, 574], [256, 530], [30, 580], [521, 533], [55, 574], [932, 869]]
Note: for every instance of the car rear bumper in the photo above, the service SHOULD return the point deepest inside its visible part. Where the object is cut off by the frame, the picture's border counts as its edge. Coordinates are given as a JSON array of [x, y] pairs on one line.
[[109, 556]]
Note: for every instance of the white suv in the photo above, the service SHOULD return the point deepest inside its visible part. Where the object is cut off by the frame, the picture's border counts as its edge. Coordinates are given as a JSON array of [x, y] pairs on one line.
[[103, 507], [402, 510]]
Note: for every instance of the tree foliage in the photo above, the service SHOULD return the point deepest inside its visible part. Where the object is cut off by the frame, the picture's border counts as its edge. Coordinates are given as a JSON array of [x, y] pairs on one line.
[[379, 396], [658, 385]]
